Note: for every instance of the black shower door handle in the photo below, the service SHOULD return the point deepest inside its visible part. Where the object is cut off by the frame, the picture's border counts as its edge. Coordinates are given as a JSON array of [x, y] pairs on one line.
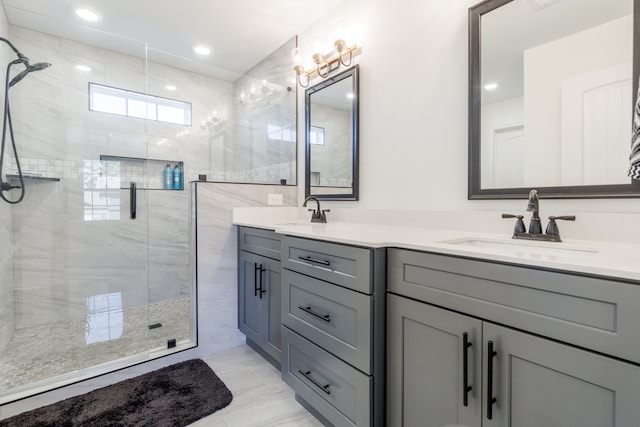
[[133, 192]]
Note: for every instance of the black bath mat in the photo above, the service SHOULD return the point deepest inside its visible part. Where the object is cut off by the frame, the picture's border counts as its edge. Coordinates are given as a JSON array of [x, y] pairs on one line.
[[174, 396]]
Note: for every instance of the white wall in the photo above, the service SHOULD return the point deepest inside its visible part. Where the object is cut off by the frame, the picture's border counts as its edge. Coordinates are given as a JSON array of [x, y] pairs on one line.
[[413, 109]]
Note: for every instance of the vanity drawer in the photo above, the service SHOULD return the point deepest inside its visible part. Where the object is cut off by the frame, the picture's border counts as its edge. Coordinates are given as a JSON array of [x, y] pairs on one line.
[[335, 318], [347, 266], [336, 390], [592, 312], [259, 241]]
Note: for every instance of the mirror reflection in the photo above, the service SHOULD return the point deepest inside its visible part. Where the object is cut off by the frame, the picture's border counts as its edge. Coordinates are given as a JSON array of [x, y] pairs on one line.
[[331, 138], [552, 94]]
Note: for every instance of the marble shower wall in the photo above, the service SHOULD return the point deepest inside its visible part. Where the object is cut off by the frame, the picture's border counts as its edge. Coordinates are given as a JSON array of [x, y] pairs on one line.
[[7, 314], [333, 161], [73, 238], [218, 259], [265, 121]]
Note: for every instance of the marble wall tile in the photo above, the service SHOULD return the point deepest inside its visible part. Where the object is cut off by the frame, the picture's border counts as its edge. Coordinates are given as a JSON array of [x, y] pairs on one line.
[[7, 312], [217, 257]]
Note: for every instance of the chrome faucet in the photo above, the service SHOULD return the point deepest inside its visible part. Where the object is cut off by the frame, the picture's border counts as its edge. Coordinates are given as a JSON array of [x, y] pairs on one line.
[[317, 215], [552, 234]]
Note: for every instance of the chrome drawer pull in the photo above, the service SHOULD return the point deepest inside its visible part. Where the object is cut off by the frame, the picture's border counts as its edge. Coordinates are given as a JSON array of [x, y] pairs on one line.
[[314, 260], [315, 382], [307, 309]]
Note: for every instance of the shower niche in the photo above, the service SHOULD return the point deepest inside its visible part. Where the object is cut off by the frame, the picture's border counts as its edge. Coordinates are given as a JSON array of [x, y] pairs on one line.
[[149, 172]]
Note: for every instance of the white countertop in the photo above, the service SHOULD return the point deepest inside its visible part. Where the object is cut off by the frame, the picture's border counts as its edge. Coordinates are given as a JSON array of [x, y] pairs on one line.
[[613, 259]]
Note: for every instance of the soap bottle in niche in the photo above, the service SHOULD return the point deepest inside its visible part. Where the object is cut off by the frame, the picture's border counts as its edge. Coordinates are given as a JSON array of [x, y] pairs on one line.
[[167, 183], [177, 178]]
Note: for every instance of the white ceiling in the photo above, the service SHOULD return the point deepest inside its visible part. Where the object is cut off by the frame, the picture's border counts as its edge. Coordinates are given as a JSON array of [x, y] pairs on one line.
[[240, 33]]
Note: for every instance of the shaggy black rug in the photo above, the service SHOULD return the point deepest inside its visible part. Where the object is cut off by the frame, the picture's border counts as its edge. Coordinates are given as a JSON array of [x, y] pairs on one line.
[[174, 396]]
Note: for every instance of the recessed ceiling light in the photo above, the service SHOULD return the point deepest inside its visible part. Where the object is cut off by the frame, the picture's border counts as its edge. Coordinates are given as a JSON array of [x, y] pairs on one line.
[[350, 95], [82, 68], [170, 87], [201, 50], [87, 14], [491, 86]]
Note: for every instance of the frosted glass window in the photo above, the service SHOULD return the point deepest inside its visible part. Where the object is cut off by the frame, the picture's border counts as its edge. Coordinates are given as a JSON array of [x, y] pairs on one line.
[[112, 100]]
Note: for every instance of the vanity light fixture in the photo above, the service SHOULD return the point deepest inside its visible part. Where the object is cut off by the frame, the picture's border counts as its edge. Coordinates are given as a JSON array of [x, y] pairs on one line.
[[324, 65]]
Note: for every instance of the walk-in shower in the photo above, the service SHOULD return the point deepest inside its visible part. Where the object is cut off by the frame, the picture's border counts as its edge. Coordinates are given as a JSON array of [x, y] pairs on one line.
[[85, 287]]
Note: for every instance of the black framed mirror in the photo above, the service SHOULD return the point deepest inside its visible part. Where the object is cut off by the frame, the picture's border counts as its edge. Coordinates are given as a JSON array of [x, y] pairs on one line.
[[331, 137], [552, 85]]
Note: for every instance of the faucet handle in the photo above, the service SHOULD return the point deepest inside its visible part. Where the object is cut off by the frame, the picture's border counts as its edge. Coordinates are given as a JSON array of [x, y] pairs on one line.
[[552, 227], [323, 216], [519, 227]]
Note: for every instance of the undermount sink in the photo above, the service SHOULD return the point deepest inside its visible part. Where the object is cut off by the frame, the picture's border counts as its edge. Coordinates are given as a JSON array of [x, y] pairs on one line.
[[523, 248]]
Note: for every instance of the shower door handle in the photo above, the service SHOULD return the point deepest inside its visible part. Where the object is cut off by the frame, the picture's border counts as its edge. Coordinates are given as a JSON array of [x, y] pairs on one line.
[[133, 192]]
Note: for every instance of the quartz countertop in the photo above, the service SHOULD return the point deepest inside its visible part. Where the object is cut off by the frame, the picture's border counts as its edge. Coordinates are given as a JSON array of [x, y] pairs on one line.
[[611, 259]]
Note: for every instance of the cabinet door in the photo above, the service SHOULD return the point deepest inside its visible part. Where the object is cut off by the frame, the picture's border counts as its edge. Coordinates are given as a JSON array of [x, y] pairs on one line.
[[250, 317], [537, 382], [271, 308], [426, 359]]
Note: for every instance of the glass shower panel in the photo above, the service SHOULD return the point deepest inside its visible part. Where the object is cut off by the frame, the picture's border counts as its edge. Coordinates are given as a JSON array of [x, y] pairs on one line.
[[172, 302], [80, 258]]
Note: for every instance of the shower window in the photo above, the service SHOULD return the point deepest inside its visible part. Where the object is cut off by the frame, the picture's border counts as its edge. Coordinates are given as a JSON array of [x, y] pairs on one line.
[[281, 133], [106, 99], [101, 190]]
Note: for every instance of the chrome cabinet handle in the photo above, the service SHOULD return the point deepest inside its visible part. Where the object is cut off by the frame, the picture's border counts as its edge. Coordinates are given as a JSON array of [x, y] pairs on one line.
[[314, 260], [308, 309], [307, 375]]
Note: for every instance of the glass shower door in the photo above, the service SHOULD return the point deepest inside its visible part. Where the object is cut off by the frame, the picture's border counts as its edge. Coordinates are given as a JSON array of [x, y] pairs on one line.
[[95, 272]]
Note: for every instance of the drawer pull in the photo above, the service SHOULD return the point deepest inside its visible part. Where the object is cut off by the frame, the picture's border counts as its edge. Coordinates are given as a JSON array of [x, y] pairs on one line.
[[307, 375], [490, 397], [466, 388], [314, 260], [308, 309], [257, 272]]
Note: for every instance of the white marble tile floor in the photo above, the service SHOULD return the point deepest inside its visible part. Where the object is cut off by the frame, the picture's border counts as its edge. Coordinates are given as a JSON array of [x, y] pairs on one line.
[[260, 397]]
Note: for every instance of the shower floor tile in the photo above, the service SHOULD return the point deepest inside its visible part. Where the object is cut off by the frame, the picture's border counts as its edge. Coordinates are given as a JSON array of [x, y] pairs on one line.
[[43, 352]]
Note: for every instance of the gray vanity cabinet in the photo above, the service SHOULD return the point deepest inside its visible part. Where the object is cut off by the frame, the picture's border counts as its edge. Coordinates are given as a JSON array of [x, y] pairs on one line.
[[425, 365], [535, 381], [259, 289], [333, 310]]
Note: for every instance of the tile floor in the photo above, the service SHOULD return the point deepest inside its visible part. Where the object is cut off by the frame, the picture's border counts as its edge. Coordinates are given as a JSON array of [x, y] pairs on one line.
[[46, 351], [260, 397]]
